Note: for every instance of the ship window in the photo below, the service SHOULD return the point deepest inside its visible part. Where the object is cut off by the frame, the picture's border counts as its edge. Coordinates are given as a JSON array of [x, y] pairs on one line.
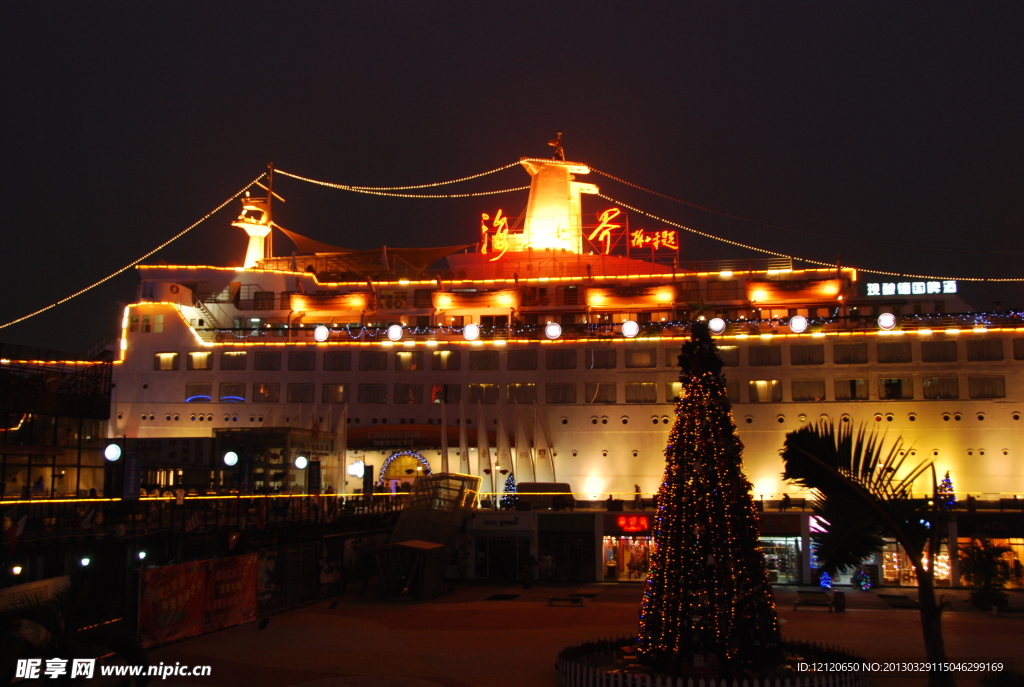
[[808, 389], [266, 392], [133, 323], [445, 393], [335, 361], [300, 392], [730, 356], [601, 393], [641, 357], [266, 360], [165, 361], [850, 353], [373, 361], [723, 290], [1018, 349], [233, 360], [198, 392], [894, 352], [938, 351], [408, 361], [941, 387], [372, 393], [483, 360], [200, 360], [687, 291], [521, 393], [641, 392], [408, 394], [561, 359], [446, 360], [158, 324], [232, 392], [895, 388], [600, 358], [851, 389], [335, 393], [263, 300], [568, 295], [301, 361], [765, 391], [807, 354], [984, 349], [483, 393], [764, 355], [560, 393], [421, 298], [732, 390], [522, 359], [673, 391], [987, 387]]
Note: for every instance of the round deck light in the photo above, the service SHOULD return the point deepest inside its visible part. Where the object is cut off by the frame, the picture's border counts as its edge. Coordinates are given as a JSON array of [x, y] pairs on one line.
[[85, 562], [395, 332], [142, 555], [716, 325], [16, 570], [553, 330], [357, 469], [471, 332], [321, 333], [630, 329], [112, 452], [798, 324], [230, 458], [301, 462], [887, 321]]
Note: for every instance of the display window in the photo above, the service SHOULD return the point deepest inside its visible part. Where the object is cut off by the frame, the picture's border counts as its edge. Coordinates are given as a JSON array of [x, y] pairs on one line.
[[783, 558], [627, 558], [897, 569]]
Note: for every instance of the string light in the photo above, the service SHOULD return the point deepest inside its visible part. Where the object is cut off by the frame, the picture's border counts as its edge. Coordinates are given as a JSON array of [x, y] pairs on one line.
[[383, 191], [402, 188]]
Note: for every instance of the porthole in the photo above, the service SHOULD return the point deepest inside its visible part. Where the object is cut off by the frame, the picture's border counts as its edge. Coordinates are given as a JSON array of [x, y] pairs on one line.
[[120, 416], [889, 417], [1015, 416], [970, 452], [604, 453], [384, 421], [913, 451], [878, 417], [193, 418], [168, 417], [981, 416], [152, 416], [749, 419], [1006, 451], [402, 421], [593, 420], [957, 417], [565, 421], [202, 418], [575, 453], [664, 420], [802, 417], [227, 418], [143, 418], [374, 420], [234, 418], [780, 419], [252, 418], [655, 420], [945, 417], [981, 452], [604, 421], [259, 418], [824, 418], [625, 420], [846, 418], [636, 453], [912, 417], [209, 418], [145, 386], [935, 451]]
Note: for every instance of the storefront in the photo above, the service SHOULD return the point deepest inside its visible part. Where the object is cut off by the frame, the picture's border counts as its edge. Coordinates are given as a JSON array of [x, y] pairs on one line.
[[627, 546], [783, 556], [501, 543]]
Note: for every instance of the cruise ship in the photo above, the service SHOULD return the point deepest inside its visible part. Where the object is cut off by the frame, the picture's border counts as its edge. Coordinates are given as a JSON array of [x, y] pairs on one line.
[[546, 351]]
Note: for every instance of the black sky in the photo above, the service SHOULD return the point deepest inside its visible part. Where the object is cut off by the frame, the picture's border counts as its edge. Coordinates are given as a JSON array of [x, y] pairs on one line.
[[858, 124]]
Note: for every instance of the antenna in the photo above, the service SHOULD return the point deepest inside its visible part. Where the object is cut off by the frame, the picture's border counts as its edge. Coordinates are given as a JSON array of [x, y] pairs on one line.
[[557, 145]]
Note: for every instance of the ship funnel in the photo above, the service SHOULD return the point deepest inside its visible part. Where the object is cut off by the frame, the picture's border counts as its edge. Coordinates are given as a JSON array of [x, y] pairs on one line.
[[553, 215]]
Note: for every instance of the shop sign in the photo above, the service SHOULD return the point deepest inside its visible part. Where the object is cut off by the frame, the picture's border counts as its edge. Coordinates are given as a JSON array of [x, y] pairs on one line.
[[501, 522], [1001, 526], [627, 524], [910, 288]]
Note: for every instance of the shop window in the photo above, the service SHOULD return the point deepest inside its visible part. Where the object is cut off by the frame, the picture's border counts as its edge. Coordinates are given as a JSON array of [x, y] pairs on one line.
[[807, 354], [522, 359], [198, 392], [406, 394], [524, 394], [373, 361], [301, 392], [808, 390], [600, 393], [266, 392], [895, 388], [335, 393], [200, 360], [372, 393], [301, 361], [641, 392], [765, 391], [408, 361], [938, 351], [936, 388], [984, 349], [894, 352], [231, 392], [483, 360], [850, 353], [600, 358], [483, 393], [987, 387], [560, 393], [560, 359], [165, 362], [233, 360], [446, 360], [641, 357], [337, 361]]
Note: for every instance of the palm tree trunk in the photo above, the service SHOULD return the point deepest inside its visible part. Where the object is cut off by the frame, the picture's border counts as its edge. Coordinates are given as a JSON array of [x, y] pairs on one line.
[[931, 628]]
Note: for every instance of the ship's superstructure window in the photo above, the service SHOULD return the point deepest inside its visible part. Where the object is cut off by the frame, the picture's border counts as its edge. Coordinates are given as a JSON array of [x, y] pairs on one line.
[[301, 361], [641, 392], [719, 290], [524, 359], [1018, 349], [560, 359], [895, 388], [521, 393], [808, 389], [372, 393], [732, 390], [263, 300], [850, 353], [560, 393], [938, 351], [200, 360], [483, 393], [765, 391], [673, 391], [730, 356], [408, 361], [232, 392], [600, 358], [422, 298], [483, 360], [446, 393], [266, 392], [301, 392], [337, 361], [266, 360], [764, 355], [987, 387], [806, 354], [601, 393], [198, 392], [446, 360], [494, 321], [233, 360], [373, 361], [984, 349], [641, 357], [335, 393], [165, 361], [894, 352], [568, 295], [851, 389], [936, 388], [408, 393]]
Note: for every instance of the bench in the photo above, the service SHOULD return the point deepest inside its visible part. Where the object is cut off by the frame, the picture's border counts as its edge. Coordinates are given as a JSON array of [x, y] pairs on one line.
[[577, 601], [813, 599]]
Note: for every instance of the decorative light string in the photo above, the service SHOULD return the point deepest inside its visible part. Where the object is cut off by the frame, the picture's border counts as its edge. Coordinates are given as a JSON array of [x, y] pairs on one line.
[[351, 187], [130, 265]]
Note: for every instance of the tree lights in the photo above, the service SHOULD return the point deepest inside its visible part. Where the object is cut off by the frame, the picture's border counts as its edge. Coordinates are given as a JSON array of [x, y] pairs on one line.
[[707, 599]]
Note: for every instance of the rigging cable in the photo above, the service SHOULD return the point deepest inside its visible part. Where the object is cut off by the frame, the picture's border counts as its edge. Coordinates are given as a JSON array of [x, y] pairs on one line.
[[350, 187], [136, 262]]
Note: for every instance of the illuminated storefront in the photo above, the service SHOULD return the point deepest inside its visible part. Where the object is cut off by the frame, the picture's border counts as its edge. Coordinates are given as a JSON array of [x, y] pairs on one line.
[[627, 546]]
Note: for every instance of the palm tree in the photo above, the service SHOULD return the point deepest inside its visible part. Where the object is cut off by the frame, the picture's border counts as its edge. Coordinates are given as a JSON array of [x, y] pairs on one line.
[[864, 492]]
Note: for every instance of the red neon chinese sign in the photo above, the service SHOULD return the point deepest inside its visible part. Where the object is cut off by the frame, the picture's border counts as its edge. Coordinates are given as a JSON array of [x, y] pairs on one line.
[[603, 232], [666, 238], [633, 523]]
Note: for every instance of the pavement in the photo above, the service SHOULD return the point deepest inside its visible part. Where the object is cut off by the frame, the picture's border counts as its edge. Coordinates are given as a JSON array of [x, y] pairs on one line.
[[463, 639]]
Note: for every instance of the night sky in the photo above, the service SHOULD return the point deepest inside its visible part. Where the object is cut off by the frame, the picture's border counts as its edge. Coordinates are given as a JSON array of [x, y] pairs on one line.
[[890, 132]]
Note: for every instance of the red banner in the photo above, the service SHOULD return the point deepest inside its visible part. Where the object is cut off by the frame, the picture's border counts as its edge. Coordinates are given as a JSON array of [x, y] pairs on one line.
[[173, 601], [231, 591]]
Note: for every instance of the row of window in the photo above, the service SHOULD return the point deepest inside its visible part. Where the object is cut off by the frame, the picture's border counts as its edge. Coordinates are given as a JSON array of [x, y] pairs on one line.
[[758, 391], [856, 353]]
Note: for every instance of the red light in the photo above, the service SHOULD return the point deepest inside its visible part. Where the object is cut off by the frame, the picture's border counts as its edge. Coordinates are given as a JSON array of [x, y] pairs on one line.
[[633, 523]]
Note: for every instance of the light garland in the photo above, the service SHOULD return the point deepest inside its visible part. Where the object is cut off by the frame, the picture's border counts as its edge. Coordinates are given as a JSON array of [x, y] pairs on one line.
[[400, 188], [385, 191]]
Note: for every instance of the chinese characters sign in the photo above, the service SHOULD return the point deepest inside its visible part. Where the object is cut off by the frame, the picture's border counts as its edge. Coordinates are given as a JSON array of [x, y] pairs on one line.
[[910, 288]]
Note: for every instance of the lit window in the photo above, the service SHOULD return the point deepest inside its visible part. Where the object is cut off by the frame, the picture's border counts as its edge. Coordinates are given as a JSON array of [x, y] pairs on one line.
[[232, 392], [335, 393], [165, 361], [408, 361], [198, 392], [266, 392], [522, 393], [601, 393], [483, 393], [446, 360], [765, 391], [895, 388], [641, 392], [200, 360], [233, 360]]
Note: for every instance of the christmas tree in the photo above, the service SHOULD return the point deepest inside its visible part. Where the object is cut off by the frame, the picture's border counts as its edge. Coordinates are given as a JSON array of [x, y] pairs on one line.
[[947, 499], [509, 498], [707, 600]]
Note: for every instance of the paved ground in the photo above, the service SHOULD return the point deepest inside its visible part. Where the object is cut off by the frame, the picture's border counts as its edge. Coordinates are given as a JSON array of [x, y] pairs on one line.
[[464, 640]]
